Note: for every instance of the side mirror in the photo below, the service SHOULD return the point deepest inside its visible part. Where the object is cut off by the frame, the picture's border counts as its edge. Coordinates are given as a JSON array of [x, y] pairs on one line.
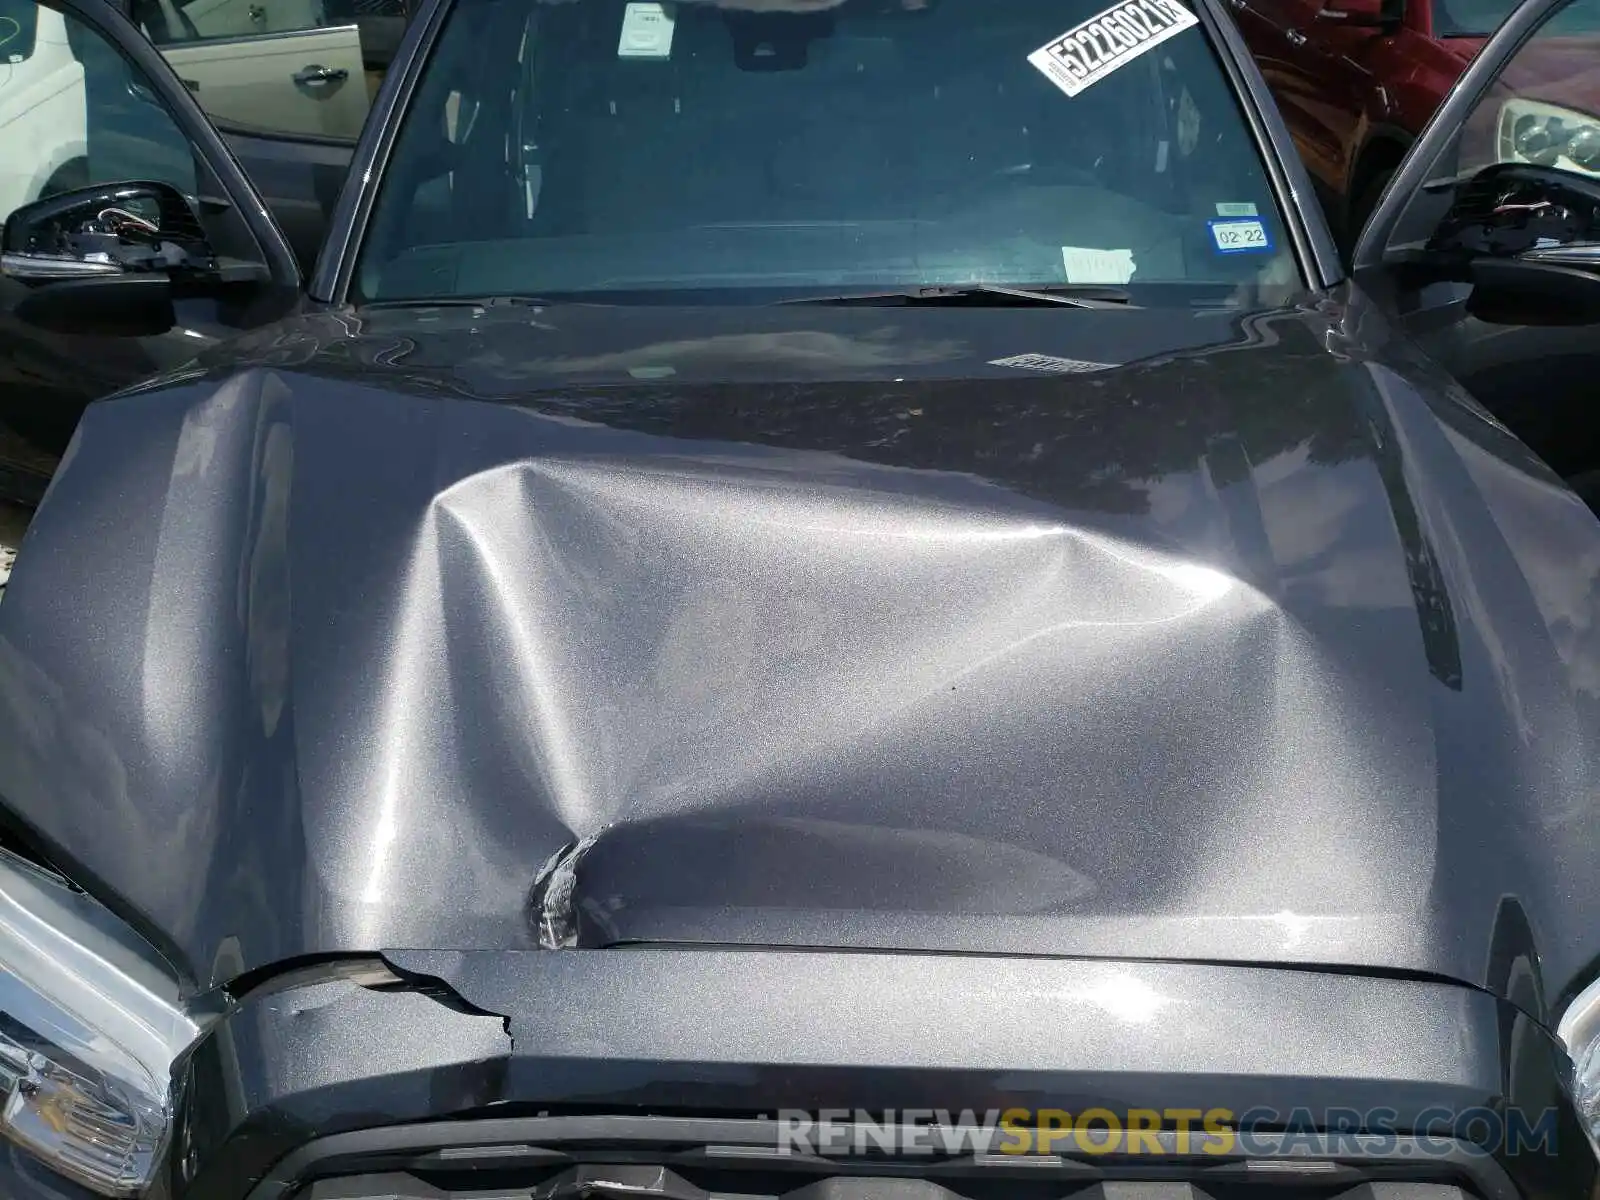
[[1517, 291], [1528, 238], [105, 260], [1509, 209], [113, 306], [1365, 14]]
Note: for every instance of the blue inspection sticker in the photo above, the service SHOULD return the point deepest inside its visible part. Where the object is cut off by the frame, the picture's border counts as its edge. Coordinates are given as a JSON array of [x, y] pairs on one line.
[[1235, 235]]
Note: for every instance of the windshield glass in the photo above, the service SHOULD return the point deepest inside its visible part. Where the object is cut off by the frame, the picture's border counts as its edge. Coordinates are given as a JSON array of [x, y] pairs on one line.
[[710, 153]]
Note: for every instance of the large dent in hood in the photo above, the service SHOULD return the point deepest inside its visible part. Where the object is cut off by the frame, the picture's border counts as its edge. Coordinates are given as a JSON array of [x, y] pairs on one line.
[[302, 667], [757, 699]]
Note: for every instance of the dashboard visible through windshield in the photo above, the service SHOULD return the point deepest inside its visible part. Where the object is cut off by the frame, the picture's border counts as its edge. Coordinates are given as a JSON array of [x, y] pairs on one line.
[[756, 149]]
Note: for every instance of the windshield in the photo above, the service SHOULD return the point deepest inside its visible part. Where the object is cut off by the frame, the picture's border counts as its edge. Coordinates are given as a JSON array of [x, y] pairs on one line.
[[700, 152]]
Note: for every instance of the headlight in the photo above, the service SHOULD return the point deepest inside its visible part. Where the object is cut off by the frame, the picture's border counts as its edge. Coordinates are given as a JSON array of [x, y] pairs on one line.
[[90, 1027], [1546, 135], [1580, 1031]]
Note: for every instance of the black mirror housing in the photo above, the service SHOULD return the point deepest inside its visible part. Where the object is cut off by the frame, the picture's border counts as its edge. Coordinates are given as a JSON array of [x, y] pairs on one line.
[[106, 261], [110, 306], [103, 231], [1511, 291], [1511, 208], [1521, 235]]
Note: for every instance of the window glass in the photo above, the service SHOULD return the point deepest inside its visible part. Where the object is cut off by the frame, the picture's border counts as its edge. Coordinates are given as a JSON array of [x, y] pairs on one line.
[[1469, 18], [74, 112], [731, 151], [1543, 109], [18, 21], [1479, 18], [169, 22], [278, 66]]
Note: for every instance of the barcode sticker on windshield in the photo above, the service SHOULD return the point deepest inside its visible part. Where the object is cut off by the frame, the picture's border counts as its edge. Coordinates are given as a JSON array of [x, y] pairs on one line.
[[1087, 53], [1239, 237]]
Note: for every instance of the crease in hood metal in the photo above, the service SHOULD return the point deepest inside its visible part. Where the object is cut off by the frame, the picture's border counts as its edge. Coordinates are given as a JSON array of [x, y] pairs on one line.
[[1271, 651]]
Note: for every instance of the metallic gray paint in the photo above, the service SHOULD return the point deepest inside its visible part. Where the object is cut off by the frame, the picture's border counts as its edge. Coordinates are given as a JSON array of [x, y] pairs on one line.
[[1266, 647], [1162, 1022], [598, 1038]]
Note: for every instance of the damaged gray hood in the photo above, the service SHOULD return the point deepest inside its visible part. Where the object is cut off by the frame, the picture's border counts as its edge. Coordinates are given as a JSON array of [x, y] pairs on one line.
[[1267, 650]]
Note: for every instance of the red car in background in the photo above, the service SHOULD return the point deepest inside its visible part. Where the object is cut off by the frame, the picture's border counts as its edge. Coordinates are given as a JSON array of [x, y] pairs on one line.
[[1356, 81]]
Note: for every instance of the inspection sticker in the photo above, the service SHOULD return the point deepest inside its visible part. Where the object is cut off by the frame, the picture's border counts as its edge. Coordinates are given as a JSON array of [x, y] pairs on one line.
[[1233, 236], [646, 32], [1087, 53]]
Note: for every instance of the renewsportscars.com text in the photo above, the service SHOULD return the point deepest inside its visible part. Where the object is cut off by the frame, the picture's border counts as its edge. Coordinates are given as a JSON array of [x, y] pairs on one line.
[[1216, 1131]]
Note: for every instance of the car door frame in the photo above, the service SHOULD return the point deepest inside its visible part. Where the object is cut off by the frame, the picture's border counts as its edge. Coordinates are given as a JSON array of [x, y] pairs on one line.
[[347, 226], [192, 122], [1367, 261], [299, 174]]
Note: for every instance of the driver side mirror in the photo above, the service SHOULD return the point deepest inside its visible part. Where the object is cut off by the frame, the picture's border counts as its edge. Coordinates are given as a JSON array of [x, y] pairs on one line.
[[106, 260]]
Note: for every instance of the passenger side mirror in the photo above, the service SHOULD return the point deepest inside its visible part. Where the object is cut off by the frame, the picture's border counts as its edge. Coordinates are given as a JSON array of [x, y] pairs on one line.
[[1528, 238], [1367, 14], [108, 260], [1511, 209], [1519, 292]]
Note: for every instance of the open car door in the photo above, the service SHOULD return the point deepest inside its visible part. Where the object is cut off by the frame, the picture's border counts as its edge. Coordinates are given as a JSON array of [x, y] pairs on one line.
[[1487, 242], [311, 81], [288, 83]]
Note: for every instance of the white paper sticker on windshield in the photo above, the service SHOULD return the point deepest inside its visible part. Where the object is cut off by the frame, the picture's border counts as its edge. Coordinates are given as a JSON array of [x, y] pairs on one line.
[[1240, 208], [646, 32], [1084, 265], [1087, 53], [1049, 362]]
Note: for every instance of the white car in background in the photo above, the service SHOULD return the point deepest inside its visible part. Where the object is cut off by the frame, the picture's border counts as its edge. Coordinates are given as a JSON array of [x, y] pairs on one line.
[[278, 65], [42, 101]]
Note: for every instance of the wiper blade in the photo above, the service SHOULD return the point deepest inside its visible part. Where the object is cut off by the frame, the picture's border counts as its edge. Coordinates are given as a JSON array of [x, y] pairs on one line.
[[997, 295], [462, 302]]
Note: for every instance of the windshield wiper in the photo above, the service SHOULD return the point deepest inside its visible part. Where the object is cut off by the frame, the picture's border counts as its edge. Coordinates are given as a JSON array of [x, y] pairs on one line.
[[462, 302], [987, 295]]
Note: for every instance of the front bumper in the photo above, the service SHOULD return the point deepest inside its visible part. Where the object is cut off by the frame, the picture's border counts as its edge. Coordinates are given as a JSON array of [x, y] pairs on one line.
[[504, 1071]]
